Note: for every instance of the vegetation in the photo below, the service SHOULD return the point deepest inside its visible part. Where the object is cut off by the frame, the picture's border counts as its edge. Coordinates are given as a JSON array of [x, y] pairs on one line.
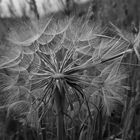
[[69, 77]]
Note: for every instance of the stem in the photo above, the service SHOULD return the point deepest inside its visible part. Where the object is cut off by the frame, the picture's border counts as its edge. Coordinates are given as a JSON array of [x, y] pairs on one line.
[[100, 123], [59, 100]]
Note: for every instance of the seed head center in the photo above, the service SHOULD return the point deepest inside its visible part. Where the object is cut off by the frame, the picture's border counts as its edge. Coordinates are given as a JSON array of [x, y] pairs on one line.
[[58, 75]]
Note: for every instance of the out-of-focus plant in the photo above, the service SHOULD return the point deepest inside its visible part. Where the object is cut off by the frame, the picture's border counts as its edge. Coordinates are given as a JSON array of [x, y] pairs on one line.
[[36, 8], [129, 116], [65, 61]]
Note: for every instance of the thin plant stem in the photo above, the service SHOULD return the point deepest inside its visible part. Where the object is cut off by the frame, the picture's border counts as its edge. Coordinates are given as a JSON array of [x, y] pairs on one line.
[[59, 100]]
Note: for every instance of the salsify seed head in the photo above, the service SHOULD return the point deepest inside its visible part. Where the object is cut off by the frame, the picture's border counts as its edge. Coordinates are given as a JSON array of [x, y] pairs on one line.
[[71, 55]]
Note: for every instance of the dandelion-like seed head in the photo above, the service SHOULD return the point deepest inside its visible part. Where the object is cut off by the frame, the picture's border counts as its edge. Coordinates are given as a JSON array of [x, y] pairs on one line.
[[69, 55]]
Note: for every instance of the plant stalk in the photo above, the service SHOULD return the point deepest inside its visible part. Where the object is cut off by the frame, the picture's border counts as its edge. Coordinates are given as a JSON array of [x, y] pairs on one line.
[[59, 101]]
